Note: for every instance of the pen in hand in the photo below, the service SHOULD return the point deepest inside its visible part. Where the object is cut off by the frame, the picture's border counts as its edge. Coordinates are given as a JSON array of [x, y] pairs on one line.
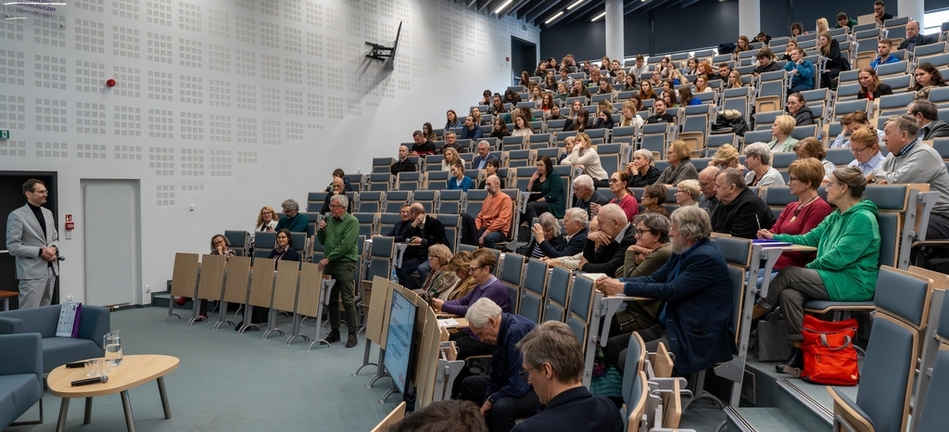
[[758, 221]]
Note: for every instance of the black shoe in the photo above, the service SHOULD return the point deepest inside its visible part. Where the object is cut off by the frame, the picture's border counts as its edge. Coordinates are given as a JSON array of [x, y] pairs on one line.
[[796, 361], [351, 341], [332, 337]]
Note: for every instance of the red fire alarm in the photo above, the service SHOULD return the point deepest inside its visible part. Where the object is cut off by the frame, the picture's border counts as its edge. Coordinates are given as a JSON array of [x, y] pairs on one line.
[[110, 82]]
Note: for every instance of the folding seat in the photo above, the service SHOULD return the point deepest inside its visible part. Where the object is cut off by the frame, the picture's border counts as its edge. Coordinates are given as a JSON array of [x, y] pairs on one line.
[[474, 199], [695, 129], [436, 180], [895, 104], [264, 242], [408, 180], [512, 143], [939, 96], [450, 201], [312, 218], [583, 299], [387, 221], [315, 200], [865, 27], [625, 95], [512, 276], [763, 121], [452, 223], [898, 68], [553, 152], [757, 136], [839, 156], [426, 198], [899, 83], [395, 200], [381, 164], [558, 294], [540, 139], [806, 131], [534, 289], [928, 50], [433, 162], [598, 97], [846, 92], [555, 125], [842, 108], [370, 201], [368, 223], [717, 140], [938, 60], [239, 240], [896, 22], [771, 93]]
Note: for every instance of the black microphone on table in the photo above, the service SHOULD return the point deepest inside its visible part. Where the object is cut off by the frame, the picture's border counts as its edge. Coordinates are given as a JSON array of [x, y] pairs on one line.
[[88, 381]]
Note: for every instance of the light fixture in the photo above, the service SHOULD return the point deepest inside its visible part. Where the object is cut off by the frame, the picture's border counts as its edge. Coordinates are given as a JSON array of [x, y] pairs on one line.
[[506, 4], [549, 20], [575, 4], [598, 16]]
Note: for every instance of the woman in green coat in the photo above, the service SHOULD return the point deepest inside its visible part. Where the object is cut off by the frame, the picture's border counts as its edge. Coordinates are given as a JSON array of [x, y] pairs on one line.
[[545, 185], [847, 263]]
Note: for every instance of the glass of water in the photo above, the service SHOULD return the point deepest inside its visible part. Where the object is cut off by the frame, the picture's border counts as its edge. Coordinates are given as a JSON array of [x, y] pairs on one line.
[[113, 349]]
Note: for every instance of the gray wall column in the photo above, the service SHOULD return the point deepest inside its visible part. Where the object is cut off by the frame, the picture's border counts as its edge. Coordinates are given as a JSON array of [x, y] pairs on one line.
[[614, 30], [749, 18], [911, 8]]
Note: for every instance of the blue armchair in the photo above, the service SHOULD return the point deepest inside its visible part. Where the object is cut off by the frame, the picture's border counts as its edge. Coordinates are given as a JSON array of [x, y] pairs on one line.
[[93, 324], [21, 376]]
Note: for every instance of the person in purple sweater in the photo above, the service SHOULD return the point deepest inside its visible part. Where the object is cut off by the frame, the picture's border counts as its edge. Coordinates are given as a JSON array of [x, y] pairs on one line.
[[483, 263]]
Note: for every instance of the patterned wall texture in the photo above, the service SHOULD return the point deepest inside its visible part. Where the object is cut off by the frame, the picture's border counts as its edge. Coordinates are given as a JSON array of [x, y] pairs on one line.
[[230, 104]]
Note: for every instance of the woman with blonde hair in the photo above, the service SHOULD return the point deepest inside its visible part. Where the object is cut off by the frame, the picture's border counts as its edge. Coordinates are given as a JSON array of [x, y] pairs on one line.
[[451, 156], [441, 279], [734, 79], [458, 264], [822, 25], [628, 116], [726, 157], [266, 219], [810, 147], [680, 166], [584, 157], [688, 193], [782, 141], [830, 49]]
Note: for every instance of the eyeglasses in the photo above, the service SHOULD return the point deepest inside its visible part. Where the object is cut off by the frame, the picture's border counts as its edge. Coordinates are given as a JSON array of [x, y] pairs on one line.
[[335, 206], [525, 373], [856, 151], [472, 269], [641, 232]]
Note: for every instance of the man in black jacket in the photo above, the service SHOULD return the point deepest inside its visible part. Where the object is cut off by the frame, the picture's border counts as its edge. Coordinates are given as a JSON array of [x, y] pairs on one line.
[[404, 163], [740, 213], [913, 38], [660, 115], [605, 249], [424, 231], [927, 116]]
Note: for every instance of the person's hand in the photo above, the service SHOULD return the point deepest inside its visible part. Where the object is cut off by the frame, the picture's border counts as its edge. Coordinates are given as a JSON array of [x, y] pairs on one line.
[[420, 219], [323, 263], [535, 176], [631, 167], [415, 241], [269, 228], [609, 286], [486, 407], [765, 234], [538, 232], [437, 304], [594, 209], [553, 262], [48, 253], [599, 238], [321, 225], [220, 250], [881, 182], [481, 239]]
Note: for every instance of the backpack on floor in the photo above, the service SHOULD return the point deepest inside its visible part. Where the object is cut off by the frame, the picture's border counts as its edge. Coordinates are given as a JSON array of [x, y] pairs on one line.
[[829, 355]]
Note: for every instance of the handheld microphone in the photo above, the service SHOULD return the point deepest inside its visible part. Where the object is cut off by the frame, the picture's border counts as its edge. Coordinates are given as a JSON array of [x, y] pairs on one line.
[[88, 381], [60, 258]]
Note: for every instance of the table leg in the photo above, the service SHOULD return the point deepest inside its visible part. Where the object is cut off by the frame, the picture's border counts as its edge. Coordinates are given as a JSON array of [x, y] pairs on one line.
[[87, 417], [63, 409], [127, 406], [164, 397]]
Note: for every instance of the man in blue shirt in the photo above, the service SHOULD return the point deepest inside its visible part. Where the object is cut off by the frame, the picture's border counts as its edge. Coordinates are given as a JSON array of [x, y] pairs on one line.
[[884, 57], [504, 395], [471, 130]]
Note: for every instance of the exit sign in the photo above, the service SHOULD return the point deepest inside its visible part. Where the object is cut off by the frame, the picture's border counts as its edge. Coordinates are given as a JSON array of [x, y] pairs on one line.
[[4, 134]]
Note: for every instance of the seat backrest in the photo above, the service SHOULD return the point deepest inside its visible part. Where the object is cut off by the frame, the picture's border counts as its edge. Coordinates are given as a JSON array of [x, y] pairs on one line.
[[450, 201], [636, 406], [512, 276], [558, 292], [580, 308], [452, 223], [736, 250], [887, 374], [387, 221], [380, 257], [635, 361], [533, 291], [238, 239], [474, 199], [264, 242]]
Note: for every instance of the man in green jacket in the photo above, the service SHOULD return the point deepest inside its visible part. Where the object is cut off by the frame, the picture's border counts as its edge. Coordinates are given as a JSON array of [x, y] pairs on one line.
[[339, 235]]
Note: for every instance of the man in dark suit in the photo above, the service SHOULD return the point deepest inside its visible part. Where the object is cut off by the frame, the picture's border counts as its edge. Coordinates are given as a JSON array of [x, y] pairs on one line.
[[695, 322], [605, 249], [423, 231], [927, 116], [913, 38], [33, 240], [484, 153], [553, 363], [741, 213]]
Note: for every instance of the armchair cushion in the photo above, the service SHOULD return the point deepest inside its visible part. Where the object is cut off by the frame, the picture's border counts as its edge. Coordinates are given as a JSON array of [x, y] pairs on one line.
[[94, 323], [21, 375]]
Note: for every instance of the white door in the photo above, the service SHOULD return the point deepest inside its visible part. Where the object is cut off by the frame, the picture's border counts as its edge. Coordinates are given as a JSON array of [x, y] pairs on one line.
[[111, 226]]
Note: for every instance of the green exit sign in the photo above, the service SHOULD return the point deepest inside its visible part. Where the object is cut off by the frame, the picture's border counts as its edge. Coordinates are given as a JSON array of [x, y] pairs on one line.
[[4, 134]]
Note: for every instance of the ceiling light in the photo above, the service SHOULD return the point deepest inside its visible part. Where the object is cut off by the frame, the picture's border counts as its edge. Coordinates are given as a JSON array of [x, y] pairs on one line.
[[598, 16], [506, 4], [575, 4], [549, 20]]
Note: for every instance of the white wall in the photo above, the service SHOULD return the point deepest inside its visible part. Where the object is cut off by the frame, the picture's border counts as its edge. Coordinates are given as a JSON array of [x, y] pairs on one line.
[[229, 105]]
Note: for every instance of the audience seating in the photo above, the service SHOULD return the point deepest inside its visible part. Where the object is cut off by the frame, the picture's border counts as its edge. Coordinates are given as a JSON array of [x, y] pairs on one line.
[[239, 240]]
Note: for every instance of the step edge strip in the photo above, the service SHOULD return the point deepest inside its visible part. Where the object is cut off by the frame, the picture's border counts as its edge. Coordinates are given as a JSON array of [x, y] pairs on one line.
[[808, 401], [739, 420]]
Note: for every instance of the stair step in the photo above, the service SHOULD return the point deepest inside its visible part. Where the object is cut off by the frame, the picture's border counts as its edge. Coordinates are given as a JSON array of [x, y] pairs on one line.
[[762, 419], [809, 410]]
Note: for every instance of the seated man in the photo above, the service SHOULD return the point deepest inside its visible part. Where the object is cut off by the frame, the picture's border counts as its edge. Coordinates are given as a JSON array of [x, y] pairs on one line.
[[844, 21], [884, 57], [660, 113], [398, 230], [913, 38], [910, 161], [422, 146], [553, 363], [605, 249], [800, 71], [451, 141], [292, 219], [404, 163], [708, 201], [766, 62], [423, 231], [497, 212], [471, 130], [696, 321], [740, 213], [927, 116], [504, 395], [547, 241], [484, 155], [585, 194]]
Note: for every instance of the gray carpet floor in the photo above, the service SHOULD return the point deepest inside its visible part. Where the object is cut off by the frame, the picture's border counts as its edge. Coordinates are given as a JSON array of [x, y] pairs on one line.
[[231, 382]]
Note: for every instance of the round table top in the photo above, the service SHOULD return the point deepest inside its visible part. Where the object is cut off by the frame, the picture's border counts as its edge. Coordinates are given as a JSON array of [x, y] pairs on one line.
[[132, 372]]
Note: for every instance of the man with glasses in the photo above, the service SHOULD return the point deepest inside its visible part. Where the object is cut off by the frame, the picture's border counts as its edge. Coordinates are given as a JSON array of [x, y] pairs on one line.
[[292, 219], [927, 116], [879, 12], [422, 231], [33, 241], [504, 395], [339, 234], [494, 221], [585, 193], [741, 212], [553, 365], [911, 161], [708, 201], [913, 38]]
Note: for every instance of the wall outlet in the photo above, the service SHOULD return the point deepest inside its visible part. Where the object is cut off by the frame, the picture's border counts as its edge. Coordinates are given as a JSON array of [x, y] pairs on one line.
[[69, 298], [148, 289]]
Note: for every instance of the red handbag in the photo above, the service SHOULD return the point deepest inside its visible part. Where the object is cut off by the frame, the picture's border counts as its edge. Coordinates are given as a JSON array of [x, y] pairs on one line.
[[829, 355]]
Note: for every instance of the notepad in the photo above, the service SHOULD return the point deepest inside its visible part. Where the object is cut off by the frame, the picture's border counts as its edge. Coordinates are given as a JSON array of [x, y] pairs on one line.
[[448, 322]]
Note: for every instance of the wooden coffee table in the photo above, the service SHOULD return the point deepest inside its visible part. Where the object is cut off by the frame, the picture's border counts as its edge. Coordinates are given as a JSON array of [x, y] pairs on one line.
[[134, 370]]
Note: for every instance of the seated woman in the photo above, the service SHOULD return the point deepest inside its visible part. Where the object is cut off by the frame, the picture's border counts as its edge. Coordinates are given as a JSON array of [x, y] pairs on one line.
[[701, 84], [584, 157], [266, 220], [451, 120], [760, 171], [654, 196], [497, 107], [870, 85], [604, 116], [630, 83], [511, 97], [680, 167], [546, 237], [459, 266], [686, 98], [428, 132], [926, 76], [622, 196], [578, 123], [812, 148], [547, 103], [847, 262], [797, 107], [646, 91], [562, 91], [284, 248], [441, 279], [830, 49], [734, 80], [650, 253], [579, 89], [491, 167], [546, 189], [450, 157], [803, 215], [629, 117], [850, 123], [499, 130], [458, 179], [522, 126], [642, 170], [670, 98], [782, 141], [800, 71], [688, 193], [604, 87], [726, 157]]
